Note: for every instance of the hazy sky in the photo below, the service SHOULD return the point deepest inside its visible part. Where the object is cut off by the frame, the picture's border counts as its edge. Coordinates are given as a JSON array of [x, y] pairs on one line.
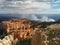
[[30, 6]]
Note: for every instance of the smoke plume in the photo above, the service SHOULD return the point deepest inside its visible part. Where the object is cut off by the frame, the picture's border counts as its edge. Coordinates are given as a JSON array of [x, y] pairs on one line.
[[42, 19], [46, 19]]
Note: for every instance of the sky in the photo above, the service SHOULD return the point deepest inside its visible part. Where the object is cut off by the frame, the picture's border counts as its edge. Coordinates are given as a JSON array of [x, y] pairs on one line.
[[29, 6]]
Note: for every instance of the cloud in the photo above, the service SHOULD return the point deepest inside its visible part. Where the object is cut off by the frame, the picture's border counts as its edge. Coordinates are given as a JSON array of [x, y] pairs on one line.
[[28, 4], [28, 7], [2, 1], [24, 7], [32, 0], [51, 11]]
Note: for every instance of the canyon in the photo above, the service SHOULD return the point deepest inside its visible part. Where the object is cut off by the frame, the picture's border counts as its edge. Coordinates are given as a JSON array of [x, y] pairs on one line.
[[20, 28], [44, 33]]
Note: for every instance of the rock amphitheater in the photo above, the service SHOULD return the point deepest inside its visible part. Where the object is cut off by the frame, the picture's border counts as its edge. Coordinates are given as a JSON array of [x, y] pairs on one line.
[[24, 29]]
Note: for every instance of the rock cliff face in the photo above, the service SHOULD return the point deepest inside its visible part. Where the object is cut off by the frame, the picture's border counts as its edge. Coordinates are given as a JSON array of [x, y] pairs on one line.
[[20, 28], [23, 28], [48, 36]]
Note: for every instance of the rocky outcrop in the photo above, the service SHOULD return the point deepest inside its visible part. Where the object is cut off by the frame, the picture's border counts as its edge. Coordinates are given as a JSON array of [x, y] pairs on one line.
[[23, 28], [47, 36], [20, 28]]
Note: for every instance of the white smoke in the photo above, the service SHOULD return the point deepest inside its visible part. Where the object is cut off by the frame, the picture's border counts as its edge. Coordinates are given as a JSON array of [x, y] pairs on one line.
[[31, 17], [42, 19], [46, 19]]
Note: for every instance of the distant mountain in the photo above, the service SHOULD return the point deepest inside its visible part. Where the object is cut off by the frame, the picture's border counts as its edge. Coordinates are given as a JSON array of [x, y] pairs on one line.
[[30, 16], [54, 16], [4, 18]]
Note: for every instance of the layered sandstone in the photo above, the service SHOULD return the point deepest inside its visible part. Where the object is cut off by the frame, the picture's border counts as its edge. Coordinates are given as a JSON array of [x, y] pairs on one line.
[[20, 28]]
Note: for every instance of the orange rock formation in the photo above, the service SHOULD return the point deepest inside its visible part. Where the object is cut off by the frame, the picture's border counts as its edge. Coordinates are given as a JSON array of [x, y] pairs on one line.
[[21, 28]]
